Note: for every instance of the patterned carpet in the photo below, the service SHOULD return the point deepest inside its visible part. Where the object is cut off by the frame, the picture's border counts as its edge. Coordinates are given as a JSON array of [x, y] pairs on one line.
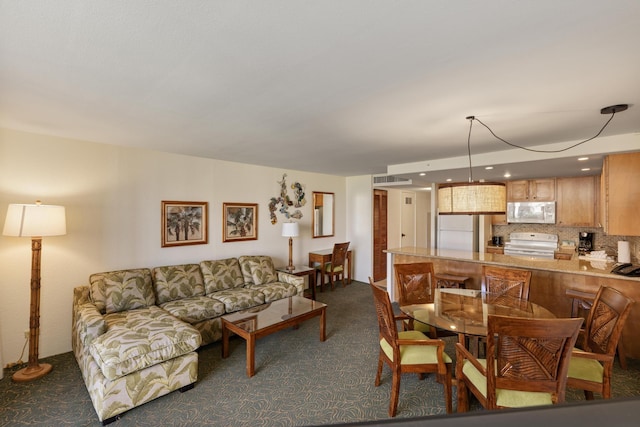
[[299, 381]]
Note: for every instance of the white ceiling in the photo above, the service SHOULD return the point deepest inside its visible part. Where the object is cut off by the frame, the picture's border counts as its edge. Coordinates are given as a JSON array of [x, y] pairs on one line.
[[343, 87]]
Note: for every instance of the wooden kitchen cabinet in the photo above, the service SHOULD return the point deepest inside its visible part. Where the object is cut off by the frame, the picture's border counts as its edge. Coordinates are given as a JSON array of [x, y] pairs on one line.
[[620, 194], [576, 201], [533, 190], [499, 219]]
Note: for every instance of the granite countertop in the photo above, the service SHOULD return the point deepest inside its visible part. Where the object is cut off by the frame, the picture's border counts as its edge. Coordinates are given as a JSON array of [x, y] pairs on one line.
[[575, 265]]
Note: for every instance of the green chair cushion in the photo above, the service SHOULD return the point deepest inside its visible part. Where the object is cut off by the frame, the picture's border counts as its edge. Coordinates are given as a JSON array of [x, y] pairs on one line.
[[586, 369], [329, 269], [414, 354], [505, 398]]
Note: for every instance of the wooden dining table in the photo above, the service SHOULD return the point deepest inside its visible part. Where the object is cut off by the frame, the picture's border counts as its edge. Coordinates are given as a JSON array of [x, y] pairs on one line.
[[466, 311]]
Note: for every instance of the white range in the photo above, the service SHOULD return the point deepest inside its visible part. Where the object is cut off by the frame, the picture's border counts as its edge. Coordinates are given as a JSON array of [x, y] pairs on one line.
[[536, 245]]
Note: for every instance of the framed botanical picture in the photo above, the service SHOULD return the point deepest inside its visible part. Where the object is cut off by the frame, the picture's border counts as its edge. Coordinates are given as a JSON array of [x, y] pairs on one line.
[[239, 221], [184, 223]]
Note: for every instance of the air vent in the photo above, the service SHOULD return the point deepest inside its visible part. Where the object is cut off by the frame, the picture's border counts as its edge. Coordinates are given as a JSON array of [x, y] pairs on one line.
[[389, 180]]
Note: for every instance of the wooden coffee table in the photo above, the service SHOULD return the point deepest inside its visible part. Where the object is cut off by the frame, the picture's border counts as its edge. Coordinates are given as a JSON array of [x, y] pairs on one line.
[[263, 320]]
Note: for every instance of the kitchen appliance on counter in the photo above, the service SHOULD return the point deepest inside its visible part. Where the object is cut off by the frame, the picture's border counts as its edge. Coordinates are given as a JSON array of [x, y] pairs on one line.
[[497, 241], [536, 245], [531, 212], [585, 243]]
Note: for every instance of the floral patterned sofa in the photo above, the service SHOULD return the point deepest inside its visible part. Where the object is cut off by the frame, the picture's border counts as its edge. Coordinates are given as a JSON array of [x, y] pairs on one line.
[[135, 332]]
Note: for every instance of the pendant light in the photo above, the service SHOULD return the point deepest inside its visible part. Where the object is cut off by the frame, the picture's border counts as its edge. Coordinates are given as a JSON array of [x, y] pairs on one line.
[[472, 198]]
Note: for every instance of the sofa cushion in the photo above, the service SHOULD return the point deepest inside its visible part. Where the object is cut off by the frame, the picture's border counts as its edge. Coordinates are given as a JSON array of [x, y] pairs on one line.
[[120, 290], [195, 309], [275, 291], [221, 274], [258, 270], [174, 282], [137, 339], [238, 299]]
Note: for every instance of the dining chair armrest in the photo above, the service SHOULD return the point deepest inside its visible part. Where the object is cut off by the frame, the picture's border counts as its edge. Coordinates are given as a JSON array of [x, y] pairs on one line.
[[438, 343], [595, 356], [462, 354], [406, 326]]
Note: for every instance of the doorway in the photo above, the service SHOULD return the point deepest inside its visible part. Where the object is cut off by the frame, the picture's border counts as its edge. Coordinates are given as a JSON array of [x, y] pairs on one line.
[[379, 235]]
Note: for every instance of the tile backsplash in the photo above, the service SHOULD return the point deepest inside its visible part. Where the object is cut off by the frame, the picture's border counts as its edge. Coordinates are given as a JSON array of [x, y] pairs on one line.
[[601, 241]]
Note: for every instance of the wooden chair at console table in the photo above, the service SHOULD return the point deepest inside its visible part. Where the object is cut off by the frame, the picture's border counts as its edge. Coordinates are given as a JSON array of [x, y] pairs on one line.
[[321, 257]]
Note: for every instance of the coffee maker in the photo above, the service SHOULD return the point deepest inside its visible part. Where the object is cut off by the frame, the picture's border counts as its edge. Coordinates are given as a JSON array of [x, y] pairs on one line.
[[585, 243]]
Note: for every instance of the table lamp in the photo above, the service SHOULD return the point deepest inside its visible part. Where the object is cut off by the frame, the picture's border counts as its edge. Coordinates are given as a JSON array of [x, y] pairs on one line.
[[290, 230], [34, 221]]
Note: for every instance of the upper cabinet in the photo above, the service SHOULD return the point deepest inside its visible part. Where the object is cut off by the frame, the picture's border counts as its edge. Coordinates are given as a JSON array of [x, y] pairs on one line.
[[620, 194], [576, 201], [533, 190]]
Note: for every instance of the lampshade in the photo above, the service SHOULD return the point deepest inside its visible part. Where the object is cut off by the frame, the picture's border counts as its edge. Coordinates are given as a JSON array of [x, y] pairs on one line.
[[290, 229], [472, 198], [35, 220]]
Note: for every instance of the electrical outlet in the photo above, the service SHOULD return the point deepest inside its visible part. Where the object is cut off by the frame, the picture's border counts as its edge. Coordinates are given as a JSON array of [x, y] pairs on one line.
[[26, 334]]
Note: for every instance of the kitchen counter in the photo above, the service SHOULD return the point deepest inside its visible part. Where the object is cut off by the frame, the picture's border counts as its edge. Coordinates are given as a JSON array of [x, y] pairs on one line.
[[574, 265], [550, 279]]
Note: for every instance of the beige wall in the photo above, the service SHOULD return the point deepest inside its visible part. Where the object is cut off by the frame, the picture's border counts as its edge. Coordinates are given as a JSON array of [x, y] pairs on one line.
[[112, 196]]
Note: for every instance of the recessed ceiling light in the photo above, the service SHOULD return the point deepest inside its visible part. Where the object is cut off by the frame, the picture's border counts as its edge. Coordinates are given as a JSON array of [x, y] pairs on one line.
[[489, 168], [422, 173], [427, 188], [582, 159], [449, 180], [507, 175], [585, 169]]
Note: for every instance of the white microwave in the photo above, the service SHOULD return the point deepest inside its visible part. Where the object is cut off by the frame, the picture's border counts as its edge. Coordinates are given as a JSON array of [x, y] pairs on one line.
[[531, 212]]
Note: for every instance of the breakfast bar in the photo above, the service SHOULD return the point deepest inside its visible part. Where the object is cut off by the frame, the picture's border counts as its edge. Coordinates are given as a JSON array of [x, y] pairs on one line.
[[550, 279]]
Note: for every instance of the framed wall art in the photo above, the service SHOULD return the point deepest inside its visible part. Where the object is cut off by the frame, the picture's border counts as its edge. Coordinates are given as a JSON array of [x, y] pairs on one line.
[[184, 223], [239, 221]]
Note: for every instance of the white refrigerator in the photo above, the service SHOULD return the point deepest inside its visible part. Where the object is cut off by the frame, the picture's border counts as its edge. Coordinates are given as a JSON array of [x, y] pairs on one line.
[[458, 232]]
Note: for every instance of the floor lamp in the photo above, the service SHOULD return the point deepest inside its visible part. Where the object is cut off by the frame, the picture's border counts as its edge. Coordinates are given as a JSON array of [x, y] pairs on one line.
[[34, 221], [290, 230]]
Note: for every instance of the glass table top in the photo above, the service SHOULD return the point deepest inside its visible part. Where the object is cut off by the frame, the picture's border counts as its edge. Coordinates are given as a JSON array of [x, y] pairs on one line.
[[264, 316], [466, 311]]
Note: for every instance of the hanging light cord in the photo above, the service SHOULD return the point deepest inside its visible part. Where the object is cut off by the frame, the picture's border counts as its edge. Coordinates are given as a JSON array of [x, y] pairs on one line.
[[472, 118]]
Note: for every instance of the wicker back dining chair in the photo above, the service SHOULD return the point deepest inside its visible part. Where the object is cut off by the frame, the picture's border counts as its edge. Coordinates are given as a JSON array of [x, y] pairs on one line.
[[509, 282], [526, 364], [591, 365], [416, 285], [407, 352]]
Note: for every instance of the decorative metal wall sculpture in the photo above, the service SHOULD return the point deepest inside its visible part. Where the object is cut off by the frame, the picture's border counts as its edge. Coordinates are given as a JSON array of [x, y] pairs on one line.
[[284, 202]]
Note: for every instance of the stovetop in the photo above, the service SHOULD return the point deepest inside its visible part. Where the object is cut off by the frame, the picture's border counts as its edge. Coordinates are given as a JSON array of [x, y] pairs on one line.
[[532, 244]]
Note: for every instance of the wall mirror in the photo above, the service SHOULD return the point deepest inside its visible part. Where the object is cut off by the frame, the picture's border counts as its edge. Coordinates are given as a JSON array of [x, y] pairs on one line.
[[323, 214]]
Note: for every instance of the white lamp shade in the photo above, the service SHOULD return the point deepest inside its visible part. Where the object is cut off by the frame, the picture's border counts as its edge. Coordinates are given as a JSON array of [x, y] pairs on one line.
[[290, 229], [35, 221]]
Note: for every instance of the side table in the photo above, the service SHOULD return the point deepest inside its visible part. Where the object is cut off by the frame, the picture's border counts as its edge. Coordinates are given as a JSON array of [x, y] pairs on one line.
[[303, 271]]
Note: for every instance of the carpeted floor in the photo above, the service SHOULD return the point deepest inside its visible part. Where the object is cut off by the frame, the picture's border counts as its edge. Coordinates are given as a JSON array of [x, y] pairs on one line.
[[299, 381]]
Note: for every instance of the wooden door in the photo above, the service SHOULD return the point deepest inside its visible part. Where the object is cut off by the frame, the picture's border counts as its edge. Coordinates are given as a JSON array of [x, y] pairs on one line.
[[379, 235]]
